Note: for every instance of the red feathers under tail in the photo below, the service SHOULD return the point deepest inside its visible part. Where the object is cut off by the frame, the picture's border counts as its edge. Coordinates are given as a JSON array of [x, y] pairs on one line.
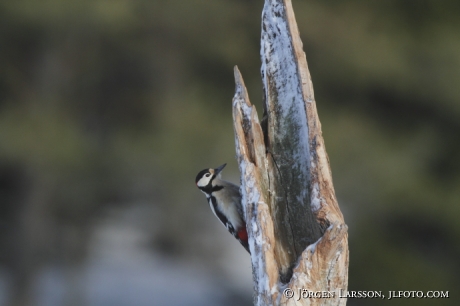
[[242, 236]]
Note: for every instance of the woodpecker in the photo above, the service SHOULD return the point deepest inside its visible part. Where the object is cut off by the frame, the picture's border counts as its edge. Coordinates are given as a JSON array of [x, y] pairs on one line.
[[225, 201]]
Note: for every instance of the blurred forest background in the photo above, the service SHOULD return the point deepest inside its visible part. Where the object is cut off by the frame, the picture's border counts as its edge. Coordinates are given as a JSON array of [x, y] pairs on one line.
[[108, 110]]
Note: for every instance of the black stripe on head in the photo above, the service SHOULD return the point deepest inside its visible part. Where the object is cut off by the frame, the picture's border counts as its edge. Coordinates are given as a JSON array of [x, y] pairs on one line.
[[200, 175], [217, 188], [209, 189]]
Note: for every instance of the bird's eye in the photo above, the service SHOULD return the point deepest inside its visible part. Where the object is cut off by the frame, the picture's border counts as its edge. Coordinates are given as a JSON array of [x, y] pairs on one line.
[[207, 174]]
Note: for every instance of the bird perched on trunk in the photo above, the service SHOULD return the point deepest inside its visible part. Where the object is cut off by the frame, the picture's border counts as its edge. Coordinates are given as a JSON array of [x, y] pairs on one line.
[[225, 201]]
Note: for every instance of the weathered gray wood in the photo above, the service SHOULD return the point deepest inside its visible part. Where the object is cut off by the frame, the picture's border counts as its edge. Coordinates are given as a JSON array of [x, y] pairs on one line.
[[297, 234], [287, 138]]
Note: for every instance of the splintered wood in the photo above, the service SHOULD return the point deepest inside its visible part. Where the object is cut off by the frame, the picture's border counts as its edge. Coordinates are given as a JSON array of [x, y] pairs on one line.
[[297, 234]]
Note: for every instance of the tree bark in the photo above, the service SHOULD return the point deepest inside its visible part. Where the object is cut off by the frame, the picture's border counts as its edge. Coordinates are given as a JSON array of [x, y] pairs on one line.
[[297, 235]]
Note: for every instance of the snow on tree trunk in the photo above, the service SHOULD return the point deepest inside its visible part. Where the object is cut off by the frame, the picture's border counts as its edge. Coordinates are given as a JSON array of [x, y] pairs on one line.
[[297, 235]]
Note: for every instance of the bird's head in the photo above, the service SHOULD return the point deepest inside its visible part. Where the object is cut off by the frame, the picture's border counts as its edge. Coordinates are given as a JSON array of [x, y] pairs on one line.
[[206, 176]]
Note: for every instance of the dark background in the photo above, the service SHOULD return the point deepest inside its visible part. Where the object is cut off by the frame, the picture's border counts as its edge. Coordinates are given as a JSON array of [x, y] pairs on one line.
[[108, 110]]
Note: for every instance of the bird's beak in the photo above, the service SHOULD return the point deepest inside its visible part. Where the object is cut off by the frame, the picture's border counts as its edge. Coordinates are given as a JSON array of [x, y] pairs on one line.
[[219, 169]]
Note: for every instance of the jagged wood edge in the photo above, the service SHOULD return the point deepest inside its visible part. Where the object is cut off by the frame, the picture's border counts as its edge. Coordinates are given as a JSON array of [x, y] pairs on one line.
[[250, 151], [330, 253], [328, 258], [286, 134]]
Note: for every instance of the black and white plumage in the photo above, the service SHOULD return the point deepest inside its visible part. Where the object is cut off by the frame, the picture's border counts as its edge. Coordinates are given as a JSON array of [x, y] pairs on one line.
[[224, 198]]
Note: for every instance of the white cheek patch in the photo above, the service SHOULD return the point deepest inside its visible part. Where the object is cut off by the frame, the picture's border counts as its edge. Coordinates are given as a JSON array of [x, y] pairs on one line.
[[204, 181]]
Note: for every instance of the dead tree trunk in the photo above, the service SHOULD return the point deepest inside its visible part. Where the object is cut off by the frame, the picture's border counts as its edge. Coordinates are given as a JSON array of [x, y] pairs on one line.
[[297, 234]]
